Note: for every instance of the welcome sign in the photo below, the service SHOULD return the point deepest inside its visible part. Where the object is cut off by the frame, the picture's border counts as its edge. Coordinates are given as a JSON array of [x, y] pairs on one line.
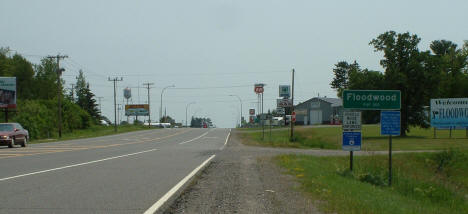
[[449, 112]]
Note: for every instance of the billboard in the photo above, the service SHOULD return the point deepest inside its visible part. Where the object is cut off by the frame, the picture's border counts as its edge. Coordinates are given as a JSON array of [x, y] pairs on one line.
[[449, 112], [7, 92], [137, 110]]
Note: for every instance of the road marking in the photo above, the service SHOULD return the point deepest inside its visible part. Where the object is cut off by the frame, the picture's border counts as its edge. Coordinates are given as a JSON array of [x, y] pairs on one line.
[[227, 138], [74, 165], [188, 141], [174, 189], [80, 147]]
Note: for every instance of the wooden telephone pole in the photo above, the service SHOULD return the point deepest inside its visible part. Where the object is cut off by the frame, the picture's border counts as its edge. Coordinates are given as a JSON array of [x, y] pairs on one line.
[[115, 79], [59, 90]]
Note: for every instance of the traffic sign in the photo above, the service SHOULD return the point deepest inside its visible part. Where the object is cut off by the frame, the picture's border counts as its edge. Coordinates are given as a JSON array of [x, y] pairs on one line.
[[351, 141], [284, 91], [283, 103], [390, 123], [351, 121], [252, 111], [372, 99]]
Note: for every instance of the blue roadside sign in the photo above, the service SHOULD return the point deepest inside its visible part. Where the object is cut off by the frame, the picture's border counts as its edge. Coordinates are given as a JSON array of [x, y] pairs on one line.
[[390, 123], [351, 141]]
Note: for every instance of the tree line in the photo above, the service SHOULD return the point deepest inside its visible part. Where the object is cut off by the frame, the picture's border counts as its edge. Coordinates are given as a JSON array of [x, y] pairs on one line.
[[37, 90], [441, 72]]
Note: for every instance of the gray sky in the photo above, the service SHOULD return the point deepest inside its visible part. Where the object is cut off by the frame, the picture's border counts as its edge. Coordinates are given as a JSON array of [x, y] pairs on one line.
[[223, 43]]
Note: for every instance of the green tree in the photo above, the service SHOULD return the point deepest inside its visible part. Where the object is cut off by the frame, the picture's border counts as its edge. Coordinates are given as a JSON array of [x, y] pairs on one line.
[[406, 70], [46, 85], [451, 64], [85, 98], [342, 72]]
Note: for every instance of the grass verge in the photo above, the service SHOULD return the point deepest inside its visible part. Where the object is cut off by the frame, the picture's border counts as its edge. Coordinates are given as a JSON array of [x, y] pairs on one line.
[[94, 131], [330, 138], [422, 182]]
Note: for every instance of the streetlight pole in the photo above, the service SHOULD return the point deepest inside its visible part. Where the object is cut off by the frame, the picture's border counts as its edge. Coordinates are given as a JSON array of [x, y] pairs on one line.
[[160, 109], [186, 108], [240, 100]]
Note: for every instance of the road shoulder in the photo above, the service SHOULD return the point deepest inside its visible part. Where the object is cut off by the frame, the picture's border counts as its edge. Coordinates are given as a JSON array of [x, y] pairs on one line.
[[243, 179]]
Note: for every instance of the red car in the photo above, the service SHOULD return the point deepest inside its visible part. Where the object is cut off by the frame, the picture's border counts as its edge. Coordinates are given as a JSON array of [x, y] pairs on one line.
[[12, 134]]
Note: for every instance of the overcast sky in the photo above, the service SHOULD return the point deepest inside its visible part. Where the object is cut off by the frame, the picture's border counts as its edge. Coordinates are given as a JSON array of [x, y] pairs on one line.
[[211, 49]]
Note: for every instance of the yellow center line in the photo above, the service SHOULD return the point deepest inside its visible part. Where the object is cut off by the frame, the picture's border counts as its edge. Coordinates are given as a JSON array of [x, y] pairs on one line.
[[43, 150]]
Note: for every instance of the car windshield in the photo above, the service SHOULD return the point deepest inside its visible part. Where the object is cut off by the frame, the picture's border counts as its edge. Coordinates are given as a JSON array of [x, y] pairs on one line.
[[6, 127]]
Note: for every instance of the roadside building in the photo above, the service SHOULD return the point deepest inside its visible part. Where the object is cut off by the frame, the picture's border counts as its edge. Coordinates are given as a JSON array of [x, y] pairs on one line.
[[319, 110]]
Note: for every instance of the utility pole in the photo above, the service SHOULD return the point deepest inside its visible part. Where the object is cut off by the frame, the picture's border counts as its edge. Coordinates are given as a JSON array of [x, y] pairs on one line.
[[292, 107], [115, 79], [149, 105], [59, 90]]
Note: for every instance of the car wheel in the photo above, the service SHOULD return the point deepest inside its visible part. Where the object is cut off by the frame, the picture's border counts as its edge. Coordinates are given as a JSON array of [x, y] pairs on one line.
[[25, 142], [12, 143]]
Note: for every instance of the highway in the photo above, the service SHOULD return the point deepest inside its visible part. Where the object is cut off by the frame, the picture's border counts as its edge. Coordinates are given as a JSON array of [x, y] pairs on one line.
[[126, 173]]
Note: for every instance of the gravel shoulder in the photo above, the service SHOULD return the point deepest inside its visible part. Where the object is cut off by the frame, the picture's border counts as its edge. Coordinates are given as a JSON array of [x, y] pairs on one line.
[[243, 179]]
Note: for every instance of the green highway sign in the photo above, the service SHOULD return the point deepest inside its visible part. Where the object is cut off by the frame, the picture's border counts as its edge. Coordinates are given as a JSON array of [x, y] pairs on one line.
[[372, 99]]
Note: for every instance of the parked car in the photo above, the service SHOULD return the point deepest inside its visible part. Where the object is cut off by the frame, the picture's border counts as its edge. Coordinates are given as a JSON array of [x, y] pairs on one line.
[[13, 134]]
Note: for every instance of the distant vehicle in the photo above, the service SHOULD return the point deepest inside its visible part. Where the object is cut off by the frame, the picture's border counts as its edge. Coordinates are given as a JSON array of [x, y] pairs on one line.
[[104, 123], [12, 134]]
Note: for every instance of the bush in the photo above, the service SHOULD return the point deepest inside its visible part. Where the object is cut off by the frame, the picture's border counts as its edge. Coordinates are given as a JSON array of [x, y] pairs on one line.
[[39, 117]]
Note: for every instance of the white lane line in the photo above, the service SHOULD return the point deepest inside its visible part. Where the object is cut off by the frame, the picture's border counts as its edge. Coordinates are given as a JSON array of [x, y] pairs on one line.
[[174, 189], [188, 141], [80, 164], [227, 138]]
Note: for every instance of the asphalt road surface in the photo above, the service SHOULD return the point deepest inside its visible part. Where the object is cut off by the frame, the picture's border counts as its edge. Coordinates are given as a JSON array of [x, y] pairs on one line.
[[126, 173]]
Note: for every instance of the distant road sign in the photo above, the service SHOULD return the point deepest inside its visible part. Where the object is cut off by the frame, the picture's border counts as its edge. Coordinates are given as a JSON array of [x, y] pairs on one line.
[[283, 103], [252, 111], [390, 123], [449, 112], [351, 121], [372, 99], [351, 141], [284, 91]]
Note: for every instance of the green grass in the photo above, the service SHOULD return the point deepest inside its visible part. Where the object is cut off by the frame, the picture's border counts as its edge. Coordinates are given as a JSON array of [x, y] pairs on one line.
[[330, 138], [94, 131], [420, 185]]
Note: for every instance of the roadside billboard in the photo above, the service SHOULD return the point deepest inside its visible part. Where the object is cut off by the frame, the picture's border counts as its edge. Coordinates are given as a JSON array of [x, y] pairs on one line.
[[137, 110], [448, 112], [7, 92]]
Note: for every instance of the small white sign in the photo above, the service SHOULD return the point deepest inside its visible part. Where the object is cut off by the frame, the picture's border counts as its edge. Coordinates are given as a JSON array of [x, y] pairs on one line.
[[283, 103], [351, 121]]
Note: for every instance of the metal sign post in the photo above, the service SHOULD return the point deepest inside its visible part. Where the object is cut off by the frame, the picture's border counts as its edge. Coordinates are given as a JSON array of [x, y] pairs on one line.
[[351, 123], [390, 125]]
